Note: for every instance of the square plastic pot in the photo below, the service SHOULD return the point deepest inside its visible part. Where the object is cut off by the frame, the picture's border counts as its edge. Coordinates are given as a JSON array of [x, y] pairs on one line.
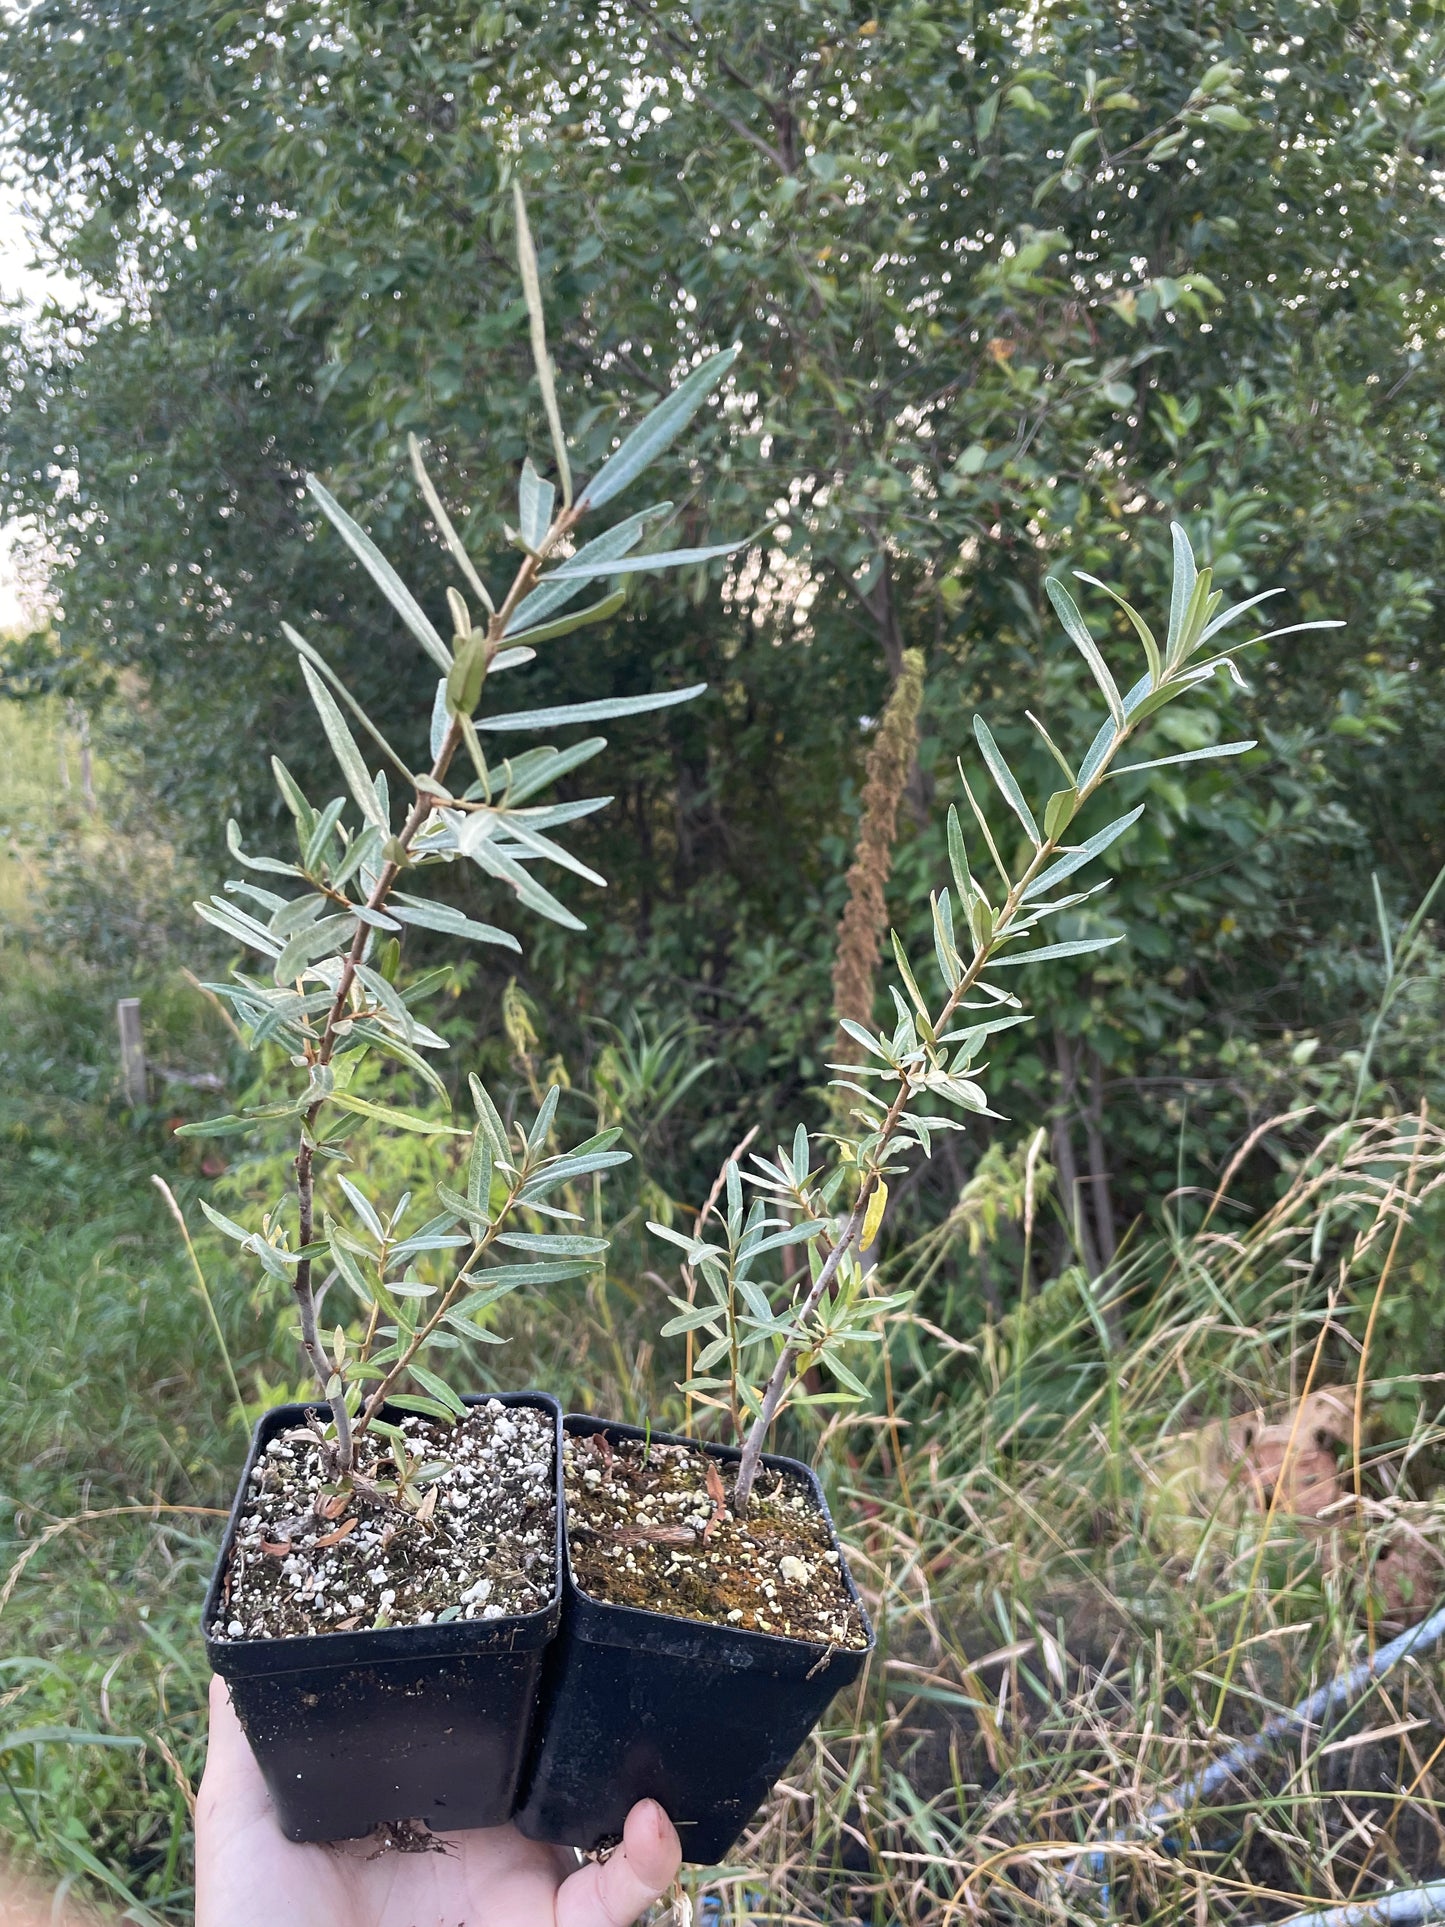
[[642, 1705], [406, 1723]]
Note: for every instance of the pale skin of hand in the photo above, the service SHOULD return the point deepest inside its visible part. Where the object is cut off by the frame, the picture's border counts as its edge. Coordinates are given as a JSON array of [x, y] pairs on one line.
[[248, 1873]]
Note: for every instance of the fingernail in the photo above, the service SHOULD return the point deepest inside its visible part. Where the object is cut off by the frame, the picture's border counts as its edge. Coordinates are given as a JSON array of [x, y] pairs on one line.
[[656, 1818]]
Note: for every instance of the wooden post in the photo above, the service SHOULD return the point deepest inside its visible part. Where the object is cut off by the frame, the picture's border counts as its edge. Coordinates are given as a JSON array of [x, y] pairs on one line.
[[132, 1052]]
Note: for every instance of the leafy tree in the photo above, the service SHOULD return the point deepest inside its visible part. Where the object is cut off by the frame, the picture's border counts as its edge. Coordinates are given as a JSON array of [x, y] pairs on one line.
[[1007, 286]]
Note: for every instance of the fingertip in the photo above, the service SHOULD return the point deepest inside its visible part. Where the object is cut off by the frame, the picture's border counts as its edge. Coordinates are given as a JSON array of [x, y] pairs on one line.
[[651, 1844]]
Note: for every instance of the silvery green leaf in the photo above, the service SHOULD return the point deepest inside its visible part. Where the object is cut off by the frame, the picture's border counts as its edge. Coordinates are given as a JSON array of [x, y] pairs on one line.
[[1074, 623], [655, 559], [542, 1123], [268, 899], [394, 1047], [1182, 589], [441, 916], [958, 859], [694, 1318], [489, 1119], [657, 430], [319, 662], [1187, 756], [534, 507], [364, 1208], [595, 712], [1227, 616], [548, 815], [440, 719], [522, 776], [553, 1244], [296, 913], [374, 919], [233, 844], [510, 659], [533, 840], [471, 1209], [865, 1037], [1004, 779], [444, 524], [321, 939], [552, 594], [387, 997], [532, 290], [235, 923], [1141, 628], [536, 897], [223, 1223], [1098, 753], [696, 1248], [319, 838], [383, 574], [501, 1278], [564, 625], [343, 744], [1076, 859], [480, 1168], [1080, 947], [568, 1170]]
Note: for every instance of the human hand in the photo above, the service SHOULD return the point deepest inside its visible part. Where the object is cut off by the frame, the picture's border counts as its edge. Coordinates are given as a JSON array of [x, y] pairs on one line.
[[248, 1873]]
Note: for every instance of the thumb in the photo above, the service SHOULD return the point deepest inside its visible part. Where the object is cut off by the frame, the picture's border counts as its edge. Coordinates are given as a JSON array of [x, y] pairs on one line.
[[613, 1893]]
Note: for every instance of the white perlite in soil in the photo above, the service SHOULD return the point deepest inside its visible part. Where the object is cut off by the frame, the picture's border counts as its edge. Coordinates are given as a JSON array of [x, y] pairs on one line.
[[313, 1555]]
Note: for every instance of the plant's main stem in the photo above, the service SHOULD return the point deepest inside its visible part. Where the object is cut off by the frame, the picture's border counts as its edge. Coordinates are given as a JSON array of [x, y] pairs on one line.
[[777, 1386], [330, 1373]]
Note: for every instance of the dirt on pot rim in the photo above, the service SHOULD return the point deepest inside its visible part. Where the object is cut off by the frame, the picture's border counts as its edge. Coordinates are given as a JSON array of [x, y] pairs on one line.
[[316, 1555], [652, 1525]]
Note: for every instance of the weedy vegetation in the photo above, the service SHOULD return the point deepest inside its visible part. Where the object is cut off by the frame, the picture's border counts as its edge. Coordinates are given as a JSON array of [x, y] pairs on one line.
[[1141, 1510]]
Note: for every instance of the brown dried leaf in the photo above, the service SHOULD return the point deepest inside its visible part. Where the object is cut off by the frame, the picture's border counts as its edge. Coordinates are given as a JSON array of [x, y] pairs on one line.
[[333, 1507], [717, 1492], [278, 1548], [428, 1505], [335, 1538], [654, 1536]]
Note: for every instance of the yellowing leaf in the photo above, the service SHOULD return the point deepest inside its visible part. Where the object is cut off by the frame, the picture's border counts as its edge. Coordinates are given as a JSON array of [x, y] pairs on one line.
[[873, 1217]]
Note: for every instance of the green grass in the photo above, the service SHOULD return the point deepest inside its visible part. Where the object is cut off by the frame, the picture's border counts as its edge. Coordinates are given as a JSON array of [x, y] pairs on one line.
[[1065, 1625]]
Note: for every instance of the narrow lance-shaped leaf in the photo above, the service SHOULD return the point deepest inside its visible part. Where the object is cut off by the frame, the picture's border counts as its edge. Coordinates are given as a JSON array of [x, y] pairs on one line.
[[656, 559], [1181, 590], [315, 657], [444, 524], [597, 712], [1187, 756], [442, 916], [506, 869], [534, 506], [551, 594], [1076, 859], [1068, 614], [958, 859], [1080, 947], [343, 744], [657, 430], [532, 290], [1004, 777], [564, 625], [1141, 627], [383, 574]]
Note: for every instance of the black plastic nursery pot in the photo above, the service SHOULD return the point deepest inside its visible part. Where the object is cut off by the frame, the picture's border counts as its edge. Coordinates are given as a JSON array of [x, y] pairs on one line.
[[354, 1729], [642, 1705]]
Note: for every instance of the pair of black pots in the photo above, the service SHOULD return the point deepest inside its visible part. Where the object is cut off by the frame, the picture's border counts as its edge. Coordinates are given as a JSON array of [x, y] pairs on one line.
[[560, 1719]]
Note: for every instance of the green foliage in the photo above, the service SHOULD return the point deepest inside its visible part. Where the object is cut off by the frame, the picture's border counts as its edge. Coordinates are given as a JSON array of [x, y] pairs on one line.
[[331, 944], [972, 352]]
